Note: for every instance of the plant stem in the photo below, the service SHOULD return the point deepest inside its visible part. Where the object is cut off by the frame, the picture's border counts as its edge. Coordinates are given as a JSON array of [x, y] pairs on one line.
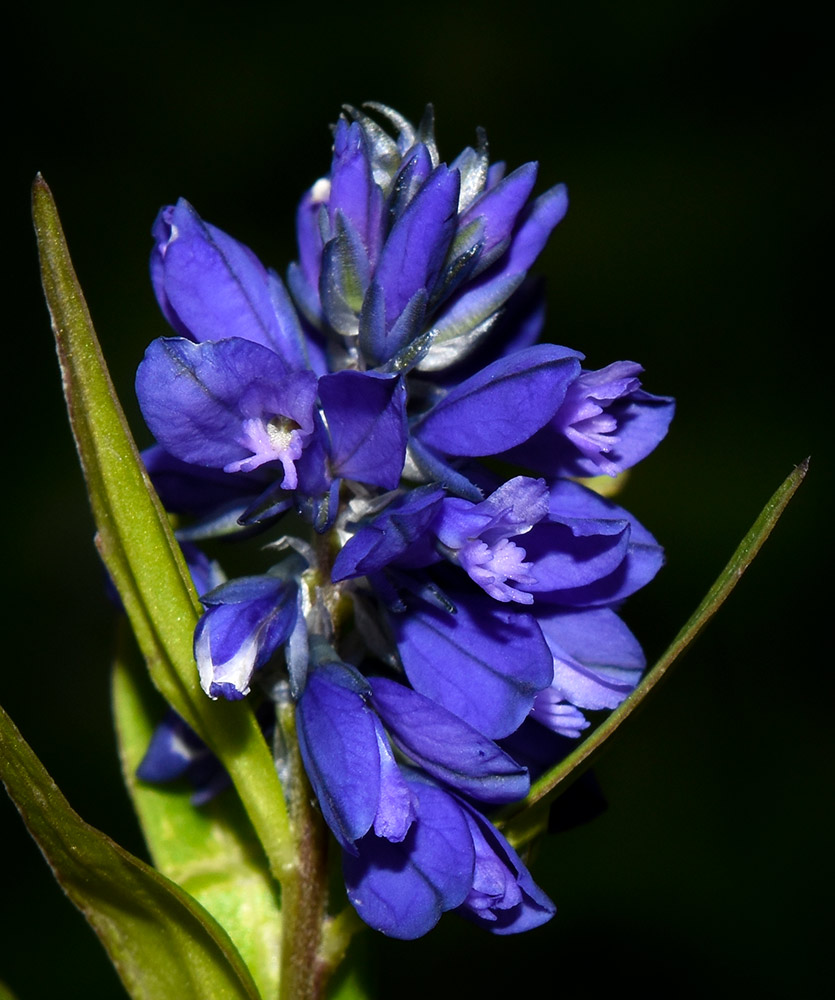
[[304, 889]]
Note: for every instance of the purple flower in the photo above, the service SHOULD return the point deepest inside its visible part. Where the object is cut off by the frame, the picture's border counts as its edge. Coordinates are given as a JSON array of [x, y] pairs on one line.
[[503, 898], [446, 625], [245, 623], [227, 405], [605, 424], [452, 858], [597, 663]]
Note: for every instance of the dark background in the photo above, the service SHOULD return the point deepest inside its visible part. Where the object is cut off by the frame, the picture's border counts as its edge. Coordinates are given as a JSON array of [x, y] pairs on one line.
[[691, 137]]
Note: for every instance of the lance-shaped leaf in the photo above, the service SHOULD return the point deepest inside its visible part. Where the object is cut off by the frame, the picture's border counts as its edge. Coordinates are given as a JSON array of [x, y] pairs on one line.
[[211, 852], [523, 820], [137, 545], [161, 941]]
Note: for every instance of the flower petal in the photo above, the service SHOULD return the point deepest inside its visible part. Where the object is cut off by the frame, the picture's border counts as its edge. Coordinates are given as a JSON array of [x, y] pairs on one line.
[[500, 207], [212, 285], [597, 660], [446, 747], [338, 743], [504, 898], [414, 252], [366, 415], [484, 664], [504, 404], [401, 889], [642, 560]]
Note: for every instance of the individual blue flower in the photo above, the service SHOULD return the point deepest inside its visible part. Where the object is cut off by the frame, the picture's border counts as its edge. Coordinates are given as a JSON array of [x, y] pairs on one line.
[[579, 549], [452, 858], [503, 898], [246, 621], [478, 537], [424, 525], [226, 405], [606, 424]]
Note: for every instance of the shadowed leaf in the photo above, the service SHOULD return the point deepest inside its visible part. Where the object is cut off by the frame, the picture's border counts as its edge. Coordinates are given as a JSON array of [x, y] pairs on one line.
[[210, 851], [162, 943]]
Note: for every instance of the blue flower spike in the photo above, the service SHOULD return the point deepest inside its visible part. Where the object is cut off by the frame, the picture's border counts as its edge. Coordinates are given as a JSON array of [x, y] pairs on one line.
[[439, 616]]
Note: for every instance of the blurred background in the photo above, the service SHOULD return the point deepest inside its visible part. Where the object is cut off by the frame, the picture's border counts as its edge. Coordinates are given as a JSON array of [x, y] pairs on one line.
[[692, 138]]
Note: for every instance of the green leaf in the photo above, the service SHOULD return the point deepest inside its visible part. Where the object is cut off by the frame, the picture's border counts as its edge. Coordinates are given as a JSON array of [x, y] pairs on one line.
[[355, 977], [348, 987], [138, 547], [210, 851], [162, 943], [5, 992], [525, 819]]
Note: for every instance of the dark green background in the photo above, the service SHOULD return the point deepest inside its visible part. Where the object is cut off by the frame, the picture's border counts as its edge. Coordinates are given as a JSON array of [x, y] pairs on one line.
[[691, 137]]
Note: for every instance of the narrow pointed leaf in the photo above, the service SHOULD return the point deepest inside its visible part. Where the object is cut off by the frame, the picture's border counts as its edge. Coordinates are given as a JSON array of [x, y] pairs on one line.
[[162, 942], [137, 545], [526, 818], [210, 851]]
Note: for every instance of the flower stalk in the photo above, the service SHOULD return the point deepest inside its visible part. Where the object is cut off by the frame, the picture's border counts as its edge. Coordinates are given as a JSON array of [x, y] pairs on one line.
[[304, 887]]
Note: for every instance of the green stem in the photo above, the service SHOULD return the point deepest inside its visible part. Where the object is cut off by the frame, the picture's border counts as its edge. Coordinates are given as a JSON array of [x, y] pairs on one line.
[[304, 888]]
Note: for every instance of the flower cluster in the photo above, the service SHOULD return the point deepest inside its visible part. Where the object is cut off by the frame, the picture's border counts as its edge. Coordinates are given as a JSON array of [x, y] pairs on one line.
[[441, 628]]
